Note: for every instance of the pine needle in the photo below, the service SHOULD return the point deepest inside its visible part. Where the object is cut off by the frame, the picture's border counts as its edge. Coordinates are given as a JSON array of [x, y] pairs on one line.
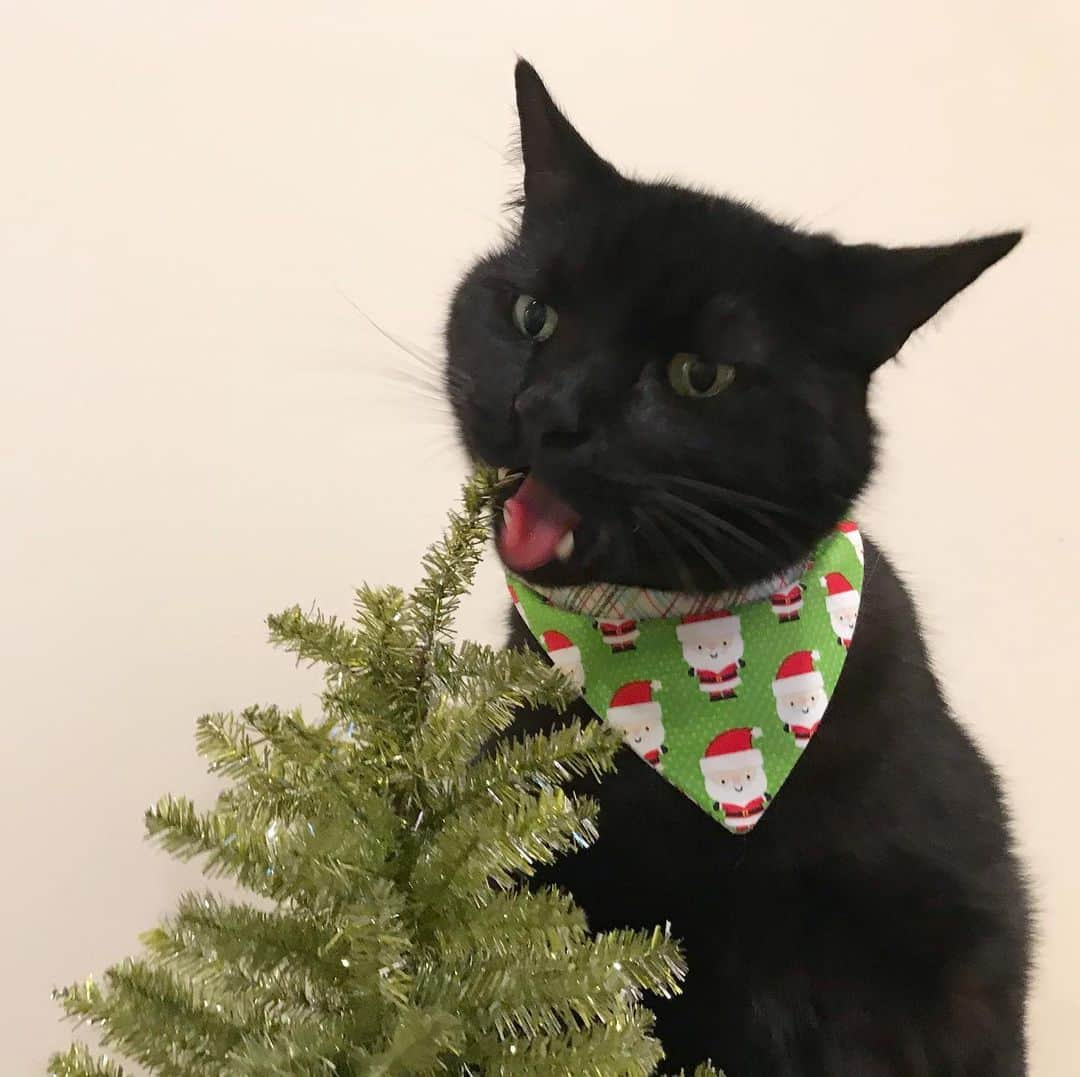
[[386, 929]]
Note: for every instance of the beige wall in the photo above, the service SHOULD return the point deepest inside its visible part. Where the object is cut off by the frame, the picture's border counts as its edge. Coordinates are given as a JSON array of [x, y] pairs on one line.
[[197, 428]]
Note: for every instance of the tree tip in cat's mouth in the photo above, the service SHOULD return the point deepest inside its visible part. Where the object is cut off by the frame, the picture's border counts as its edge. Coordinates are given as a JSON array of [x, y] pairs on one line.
[[537, 527]]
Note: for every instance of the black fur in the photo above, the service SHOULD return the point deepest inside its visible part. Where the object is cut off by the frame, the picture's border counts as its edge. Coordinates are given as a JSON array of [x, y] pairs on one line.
[[875, 922]]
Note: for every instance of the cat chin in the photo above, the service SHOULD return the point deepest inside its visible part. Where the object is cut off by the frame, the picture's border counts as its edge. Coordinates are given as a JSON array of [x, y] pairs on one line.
[[599, 557]]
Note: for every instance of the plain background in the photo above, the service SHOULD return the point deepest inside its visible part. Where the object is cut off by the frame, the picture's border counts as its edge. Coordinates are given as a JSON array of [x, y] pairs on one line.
[[197, 427]]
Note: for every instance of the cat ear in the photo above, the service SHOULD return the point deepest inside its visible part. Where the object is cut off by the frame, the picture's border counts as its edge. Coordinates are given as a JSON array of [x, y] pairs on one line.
[[557, 159], [887, 293]]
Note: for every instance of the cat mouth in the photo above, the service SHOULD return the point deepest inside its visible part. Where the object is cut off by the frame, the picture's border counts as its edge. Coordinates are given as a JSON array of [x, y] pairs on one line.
[[537, 527]]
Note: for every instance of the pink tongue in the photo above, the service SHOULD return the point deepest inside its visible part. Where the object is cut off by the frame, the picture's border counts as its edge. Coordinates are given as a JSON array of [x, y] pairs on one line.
[[535, 520]]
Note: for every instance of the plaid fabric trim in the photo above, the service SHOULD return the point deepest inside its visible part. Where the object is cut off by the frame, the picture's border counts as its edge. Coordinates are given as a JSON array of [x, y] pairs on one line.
[[611, 601]]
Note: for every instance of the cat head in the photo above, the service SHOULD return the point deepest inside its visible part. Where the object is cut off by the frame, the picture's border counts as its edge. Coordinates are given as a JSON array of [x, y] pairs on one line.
[[680, 381]]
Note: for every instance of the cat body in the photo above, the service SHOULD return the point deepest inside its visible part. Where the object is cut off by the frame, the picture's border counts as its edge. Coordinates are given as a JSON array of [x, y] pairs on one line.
[[874, 923], [683, 384]]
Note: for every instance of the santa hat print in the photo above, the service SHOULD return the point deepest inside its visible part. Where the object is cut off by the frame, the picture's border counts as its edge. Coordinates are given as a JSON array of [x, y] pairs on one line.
[[633, 703], [797, 674], [850, 530], [560, 647], [696, 626], [839, 594], [556, 641], [517, 602], [732, 750]]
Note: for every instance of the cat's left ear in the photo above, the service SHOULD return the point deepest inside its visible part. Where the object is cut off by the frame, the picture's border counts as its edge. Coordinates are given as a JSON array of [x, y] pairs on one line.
[[883, 294], [558, 161]]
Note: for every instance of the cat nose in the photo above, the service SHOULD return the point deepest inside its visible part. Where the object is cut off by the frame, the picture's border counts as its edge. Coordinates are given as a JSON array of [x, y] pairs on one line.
[[552, 420]]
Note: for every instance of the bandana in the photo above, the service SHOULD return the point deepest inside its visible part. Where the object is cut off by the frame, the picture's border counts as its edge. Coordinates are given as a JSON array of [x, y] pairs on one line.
[[720, 694]]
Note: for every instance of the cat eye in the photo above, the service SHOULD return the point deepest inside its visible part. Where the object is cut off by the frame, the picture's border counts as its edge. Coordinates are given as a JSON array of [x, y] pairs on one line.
[[534, 319], [690, 375]]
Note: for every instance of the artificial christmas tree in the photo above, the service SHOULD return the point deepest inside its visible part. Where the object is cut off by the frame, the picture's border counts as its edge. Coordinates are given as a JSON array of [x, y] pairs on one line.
[[388, 933]]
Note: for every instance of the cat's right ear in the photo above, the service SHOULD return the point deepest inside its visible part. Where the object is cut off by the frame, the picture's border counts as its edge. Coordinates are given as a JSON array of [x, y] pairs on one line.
[[558, 161]]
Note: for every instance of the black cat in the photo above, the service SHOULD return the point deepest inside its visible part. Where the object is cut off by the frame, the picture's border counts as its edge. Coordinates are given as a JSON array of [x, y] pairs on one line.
[[684, 381]]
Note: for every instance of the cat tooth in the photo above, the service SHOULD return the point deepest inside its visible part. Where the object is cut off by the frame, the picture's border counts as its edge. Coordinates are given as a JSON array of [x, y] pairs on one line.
[[565, 547]]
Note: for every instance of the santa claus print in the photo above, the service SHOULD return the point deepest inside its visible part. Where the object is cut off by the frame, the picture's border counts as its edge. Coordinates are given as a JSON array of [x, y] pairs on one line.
[[735, 780], [786, 603], [850, 530], [565, 656], [800, 695], [842, 604], [636, 714], [618, 635], [712, 647]]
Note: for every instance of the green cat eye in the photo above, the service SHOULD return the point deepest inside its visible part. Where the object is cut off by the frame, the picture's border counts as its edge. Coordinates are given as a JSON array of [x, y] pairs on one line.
[[690, 375], [534, 319]]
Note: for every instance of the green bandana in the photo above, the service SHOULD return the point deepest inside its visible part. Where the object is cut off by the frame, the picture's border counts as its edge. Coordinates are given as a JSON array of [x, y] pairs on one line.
[[718, 693]]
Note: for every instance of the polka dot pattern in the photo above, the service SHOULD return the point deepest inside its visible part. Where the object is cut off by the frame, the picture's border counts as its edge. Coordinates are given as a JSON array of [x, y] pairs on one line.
[[694, 708]]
